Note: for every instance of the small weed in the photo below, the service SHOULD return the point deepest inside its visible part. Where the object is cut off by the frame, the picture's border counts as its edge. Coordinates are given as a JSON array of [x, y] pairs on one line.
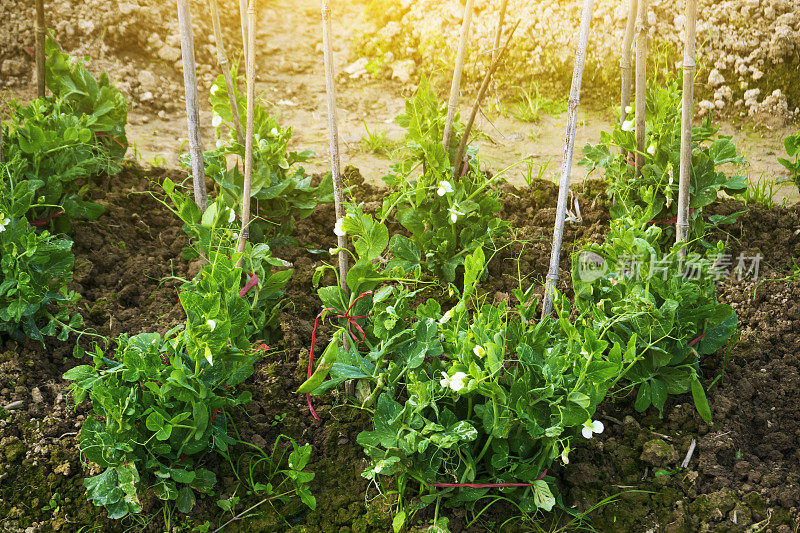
[[528, 174], [759, 192], [531, 104], [377, 141]]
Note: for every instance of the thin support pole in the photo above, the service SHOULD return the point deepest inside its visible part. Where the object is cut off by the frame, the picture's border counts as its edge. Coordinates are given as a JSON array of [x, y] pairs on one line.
[[684, 180], [248, 151], [192, 104], [499, 31], [243, 19], [222, 61], [2, 151], [452, 104], [462, 148], [641, 84], [566, 163], [625, 64], [40, 38], [333, 135]]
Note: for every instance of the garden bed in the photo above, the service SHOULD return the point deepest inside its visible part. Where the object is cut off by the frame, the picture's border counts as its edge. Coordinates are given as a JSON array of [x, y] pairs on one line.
[[744, 471]]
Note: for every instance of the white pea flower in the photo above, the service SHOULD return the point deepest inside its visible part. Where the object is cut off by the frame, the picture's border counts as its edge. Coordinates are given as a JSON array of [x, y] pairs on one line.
[[628, 109], [214, 89], [456, 382], [565, 455], [212, 324], [651, 149], [338, 228], [216, 121], [274, 132], [627, 125], [454, 214], [4, 221], [591, 427], [479, 351], [444, 188], [231, 216], [333, 251]]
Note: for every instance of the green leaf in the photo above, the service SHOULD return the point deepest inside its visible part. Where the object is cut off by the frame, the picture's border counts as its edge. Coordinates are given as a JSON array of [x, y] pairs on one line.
[[186, 500], [542, 495], [700, 400]]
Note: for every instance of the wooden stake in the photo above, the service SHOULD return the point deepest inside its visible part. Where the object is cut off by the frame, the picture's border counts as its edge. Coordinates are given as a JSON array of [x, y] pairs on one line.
[[40, 40], [641, 84], [243, 18], [222, 61], [566, 163], [684, 181], [192, 104], [2, 151], [452, 104], [499, 31], [333, 135], [625, 64], [462, 148], [251, 109]]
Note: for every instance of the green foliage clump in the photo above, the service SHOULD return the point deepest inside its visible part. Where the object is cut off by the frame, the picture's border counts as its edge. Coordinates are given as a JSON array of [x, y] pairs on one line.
[[662, 304], [792, 162], [215, 232], [448, 216], [35, 267], [59, 142], [281, 191], [657, 187]]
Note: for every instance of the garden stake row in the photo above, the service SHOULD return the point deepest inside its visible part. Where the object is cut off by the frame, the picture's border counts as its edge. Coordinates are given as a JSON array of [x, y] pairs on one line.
[[251, 109], [682, 225], [452, 103], [333, 137], [566, 163], [192, 104], [625, 64], [40, 37], [641, 84], [222, 61], [462, 148]]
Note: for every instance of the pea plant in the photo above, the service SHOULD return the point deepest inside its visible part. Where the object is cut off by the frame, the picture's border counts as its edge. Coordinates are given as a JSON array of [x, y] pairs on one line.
[[60, 142], [161, 405], [792, 161], [658, 184], [214, 232], [35, 267], [448, 216], [478, 393], [662, 304], [281, 191]]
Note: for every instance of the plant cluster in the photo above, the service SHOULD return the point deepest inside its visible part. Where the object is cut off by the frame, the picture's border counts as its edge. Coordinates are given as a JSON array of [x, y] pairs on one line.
[[657, 186], [448, 216], [281, 191], [52, 146], [161, 405]]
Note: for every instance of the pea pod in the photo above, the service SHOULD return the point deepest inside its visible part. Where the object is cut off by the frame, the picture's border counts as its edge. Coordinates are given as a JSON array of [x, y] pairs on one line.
[[324, 366]]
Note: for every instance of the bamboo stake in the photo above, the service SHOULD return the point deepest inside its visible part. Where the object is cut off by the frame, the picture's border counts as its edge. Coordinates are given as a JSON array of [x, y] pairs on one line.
[[2, 151], [641, 84], [243, 18], [40, 39], [499, 31], [333, 135], [222, 61], [462, 148], [248, 151], [684, 181], [625, 63], [452, 104], [566, 163], [192, 104]]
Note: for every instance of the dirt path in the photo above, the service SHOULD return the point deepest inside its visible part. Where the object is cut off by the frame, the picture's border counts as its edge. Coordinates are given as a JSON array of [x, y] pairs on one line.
[[290, 67]]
